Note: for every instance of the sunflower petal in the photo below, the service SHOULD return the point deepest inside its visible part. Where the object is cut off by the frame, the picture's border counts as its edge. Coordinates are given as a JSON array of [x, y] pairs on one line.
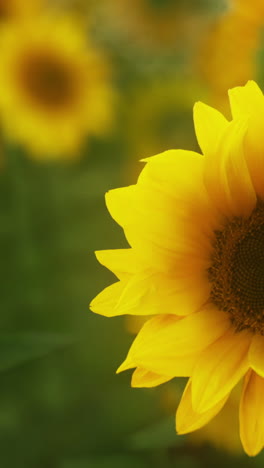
[[187, 420], [245, 99], [209, 126], [148, 293], [170, 346], [121, 262], [256, 354], [118, 202], [105, 302], [144, 378], [167, 217], [219, 369], [249, 101], [227, 178], [179, 174], [252, 414]]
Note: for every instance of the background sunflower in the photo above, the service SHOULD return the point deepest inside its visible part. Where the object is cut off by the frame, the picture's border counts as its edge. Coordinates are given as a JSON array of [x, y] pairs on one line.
[[53, 86], [61, 404]]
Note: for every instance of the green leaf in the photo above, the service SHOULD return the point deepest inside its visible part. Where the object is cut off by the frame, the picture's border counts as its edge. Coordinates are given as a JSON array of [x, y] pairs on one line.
[[19, 348]]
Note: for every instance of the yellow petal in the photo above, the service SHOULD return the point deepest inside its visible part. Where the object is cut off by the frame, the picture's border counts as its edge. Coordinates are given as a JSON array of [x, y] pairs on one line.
[[167, 217], [256, 355], [209, 126], [249, 101], [245, 100], [187, 420], [251, 414], [219, 369], [118, 202], [105, 302], [181, 367], [170, 346], [149, 293], [226, 173], [179, 174], [144, 378], [122, 262]]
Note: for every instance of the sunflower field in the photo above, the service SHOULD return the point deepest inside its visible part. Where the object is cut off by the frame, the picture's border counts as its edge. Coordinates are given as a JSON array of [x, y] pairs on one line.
[[90, 91]]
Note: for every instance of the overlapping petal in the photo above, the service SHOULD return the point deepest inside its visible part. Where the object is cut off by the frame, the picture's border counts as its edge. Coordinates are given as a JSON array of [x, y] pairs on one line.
[[169, 345], [167, 217], [248, 101], [219, 369], [144, 378], [187, 420], [227, 177], [252, 414], [256, 354], [210, 125], [122, 262], [150, 293]]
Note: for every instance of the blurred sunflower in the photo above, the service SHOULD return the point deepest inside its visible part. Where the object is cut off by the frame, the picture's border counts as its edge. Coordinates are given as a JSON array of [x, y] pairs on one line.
[[195, 224], [53, 87]]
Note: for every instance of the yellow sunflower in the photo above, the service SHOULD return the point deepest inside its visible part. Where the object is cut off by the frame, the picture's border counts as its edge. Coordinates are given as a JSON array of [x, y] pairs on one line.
[[53, 87], [195, 224]]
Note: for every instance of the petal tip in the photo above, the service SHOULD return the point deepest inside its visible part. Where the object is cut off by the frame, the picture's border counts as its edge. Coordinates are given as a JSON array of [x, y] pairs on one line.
[[126, 365]]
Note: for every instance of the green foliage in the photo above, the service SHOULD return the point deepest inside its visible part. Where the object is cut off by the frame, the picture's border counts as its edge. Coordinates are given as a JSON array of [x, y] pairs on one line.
[[19, 348]]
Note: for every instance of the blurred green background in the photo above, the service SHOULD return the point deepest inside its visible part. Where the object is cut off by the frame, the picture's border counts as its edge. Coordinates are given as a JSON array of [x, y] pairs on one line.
[[61, 404]]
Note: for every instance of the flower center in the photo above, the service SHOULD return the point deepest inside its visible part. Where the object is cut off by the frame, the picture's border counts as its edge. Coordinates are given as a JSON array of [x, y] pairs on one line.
[[237, 271], [48, 80], [5, 11]]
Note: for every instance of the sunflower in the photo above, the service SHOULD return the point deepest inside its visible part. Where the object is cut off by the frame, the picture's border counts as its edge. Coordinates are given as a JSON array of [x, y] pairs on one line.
[[53, 87], [195, 224]]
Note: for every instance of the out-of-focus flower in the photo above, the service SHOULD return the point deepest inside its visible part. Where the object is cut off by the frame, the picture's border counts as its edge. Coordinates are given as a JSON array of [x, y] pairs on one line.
[[54, 87], [155, 23], [195, 224]]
